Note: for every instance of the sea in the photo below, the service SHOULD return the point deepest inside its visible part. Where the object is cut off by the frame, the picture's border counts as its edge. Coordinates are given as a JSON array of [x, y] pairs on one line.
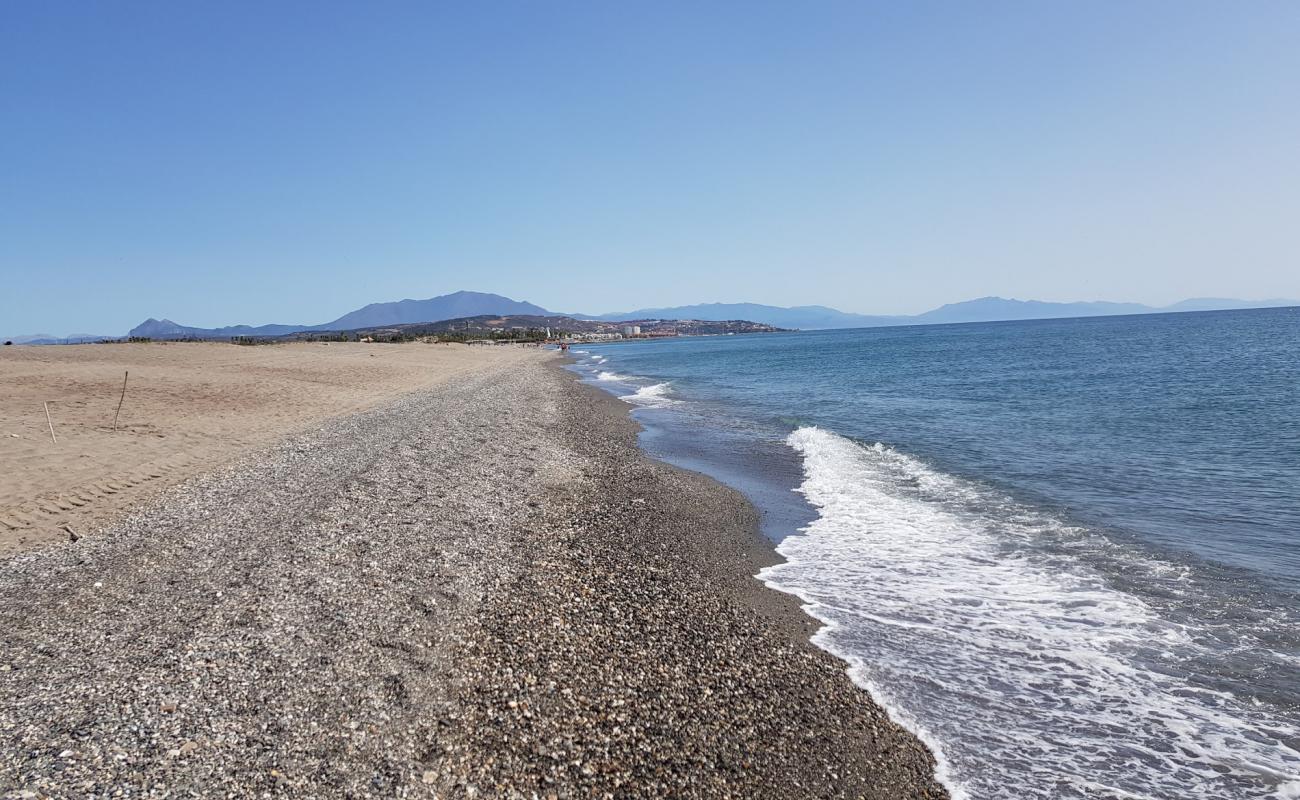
[[1065, 553]]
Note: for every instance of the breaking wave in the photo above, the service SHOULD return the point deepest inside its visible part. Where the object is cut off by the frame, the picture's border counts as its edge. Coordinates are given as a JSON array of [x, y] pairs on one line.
[[652, 396], [1021, 667]]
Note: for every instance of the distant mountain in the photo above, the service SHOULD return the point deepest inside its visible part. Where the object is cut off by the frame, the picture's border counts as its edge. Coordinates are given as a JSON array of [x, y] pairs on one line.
[[991, 309], [462, 305], [49, 338], [32, 338], [524, 324], [448, 306], [994, 309], [166, 329], [1227, 304], [818, 317], [805, 317], [984, 309]]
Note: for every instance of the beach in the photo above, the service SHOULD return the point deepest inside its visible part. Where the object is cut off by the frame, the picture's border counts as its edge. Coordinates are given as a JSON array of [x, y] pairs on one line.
[[186, 408], [451, 574]]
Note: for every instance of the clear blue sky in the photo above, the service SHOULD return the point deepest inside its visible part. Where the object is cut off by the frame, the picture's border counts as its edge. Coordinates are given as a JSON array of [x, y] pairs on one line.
[[227, 162]]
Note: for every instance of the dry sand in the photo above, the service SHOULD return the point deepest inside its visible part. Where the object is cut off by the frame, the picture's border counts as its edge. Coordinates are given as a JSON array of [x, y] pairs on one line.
[[189, 408]]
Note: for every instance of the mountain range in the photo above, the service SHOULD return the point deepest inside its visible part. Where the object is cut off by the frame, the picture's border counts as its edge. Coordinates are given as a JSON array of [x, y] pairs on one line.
[[49, 338], [803, 317], [459, 305], [984, 309], [456, 305]]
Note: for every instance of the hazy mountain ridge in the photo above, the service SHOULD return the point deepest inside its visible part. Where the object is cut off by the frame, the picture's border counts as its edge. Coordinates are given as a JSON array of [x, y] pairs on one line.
[[166, 329], [984, 309], [400, 312], [1227, 304], [793, 317], [459, 305], [990, 309], [49, 338]]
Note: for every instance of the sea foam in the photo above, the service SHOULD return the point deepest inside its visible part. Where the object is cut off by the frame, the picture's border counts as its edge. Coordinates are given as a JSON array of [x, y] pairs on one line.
[[653, 396], [1027, 674]]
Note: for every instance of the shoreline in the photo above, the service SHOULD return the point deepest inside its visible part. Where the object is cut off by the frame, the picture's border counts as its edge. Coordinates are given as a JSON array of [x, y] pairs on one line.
[[750, 552], [482, 588], [711, 534], [776, 521]]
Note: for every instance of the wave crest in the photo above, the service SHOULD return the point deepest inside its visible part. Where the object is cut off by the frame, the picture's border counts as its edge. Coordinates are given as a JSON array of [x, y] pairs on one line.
[[653, 396], [997, 651]]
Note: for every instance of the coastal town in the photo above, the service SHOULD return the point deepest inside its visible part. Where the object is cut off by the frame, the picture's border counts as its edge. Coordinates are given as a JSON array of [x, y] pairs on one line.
[[546, 328]]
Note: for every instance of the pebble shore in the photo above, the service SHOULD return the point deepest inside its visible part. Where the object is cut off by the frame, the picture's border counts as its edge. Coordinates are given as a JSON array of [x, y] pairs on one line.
[[480, 590]]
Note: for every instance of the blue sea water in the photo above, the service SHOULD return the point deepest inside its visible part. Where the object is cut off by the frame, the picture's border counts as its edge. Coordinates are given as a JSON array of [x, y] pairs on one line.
[[1065, 552]]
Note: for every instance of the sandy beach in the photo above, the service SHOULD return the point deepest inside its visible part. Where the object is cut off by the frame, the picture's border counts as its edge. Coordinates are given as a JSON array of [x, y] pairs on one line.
[[187, 408], [462, 582]]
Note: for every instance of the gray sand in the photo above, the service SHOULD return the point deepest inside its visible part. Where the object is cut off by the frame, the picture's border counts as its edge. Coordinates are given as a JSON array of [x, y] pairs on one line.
[[482, 589]]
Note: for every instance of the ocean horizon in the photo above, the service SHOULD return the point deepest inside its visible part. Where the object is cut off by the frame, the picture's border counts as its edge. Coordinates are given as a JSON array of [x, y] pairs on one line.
[[1062, 552]]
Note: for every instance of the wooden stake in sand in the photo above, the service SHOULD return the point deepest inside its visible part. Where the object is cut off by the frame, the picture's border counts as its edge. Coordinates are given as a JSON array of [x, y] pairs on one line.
[[125, 375], [50, 422]]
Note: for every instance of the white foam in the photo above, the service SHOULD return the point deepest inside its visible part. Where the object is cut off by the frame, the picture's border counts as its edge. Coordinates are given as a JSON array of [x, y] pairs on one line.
[[1025, 672], [605, 375], [653, 396]]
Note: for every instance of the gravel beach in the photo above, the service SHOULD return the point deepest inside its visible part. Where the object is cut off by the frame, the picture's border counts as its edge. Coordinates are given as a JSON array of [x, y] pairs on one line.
[[480, 589]]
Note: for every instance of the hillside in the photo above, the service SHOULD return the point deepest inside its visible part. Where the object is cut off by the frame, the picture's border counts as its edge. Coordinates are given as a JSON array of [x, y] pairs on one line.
[[559, 325]]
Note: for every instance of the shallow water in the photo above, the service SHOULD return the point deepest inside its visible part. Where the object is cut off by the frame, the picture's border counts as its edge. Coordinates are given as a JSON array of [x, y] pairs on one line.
[[1065, 552]]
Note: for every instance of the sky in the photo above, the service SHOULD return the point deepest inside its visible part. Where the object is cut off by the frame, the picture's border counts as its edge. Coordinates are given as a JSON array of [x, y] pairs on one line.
[[248, 162]]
